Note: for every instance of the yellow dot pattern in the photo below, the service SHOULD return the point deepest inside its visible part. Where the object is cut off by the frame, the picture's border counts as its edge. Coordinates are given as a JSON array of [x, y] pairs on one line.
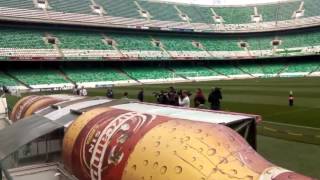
[[183, 150]]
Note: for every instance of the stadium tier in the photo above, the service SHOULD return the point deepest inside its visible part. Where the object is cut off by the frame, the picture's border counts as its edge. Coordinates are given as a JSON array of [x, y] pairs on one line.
[[38, 76], [227, 70], [147, 73], [278, 11], [273, 68], [302, 67], [93, 74], [6, 80], [193, 71], [27, 43]]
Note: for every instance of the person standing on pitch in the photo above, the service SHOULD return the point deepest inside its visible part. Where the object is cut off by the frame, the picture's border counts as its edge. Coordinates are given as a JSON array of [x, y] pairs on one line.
[[141, 95], [214, 98], [109, 93], [184, 99], [291, 99], [199, 98]]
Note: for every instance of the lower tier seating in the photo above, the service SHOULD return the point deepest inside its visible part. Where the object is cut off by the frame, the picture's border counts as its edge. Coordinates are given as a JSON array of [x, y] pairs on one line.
[[6, 80], [38, 76], [194, 71], [302, 67], [148, 73], [93, 74], [227, 69]]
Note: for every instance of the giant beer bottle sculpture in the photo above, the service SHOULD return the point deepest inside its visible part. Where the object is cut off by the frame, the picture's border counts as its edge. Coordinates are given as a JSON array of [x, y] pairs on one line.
[[114, 144]]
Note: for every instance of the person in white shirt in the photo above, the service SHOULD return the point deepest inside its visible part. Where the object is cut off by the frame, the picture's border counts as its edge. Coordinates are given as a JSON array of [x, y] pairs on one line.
[[184, 100], [83, 91]]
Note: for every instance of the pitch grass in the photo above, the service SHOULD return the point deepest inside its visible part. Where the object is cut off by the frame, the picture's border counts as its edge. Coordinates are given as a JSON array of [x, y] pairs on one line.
[[265, 97], [299, 157]]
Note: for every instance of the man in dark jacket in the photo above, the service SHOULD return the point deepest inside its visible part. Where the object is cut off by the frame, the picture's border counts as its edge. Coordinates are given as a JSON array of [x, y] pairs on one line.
[[141, 95], [214, 98]]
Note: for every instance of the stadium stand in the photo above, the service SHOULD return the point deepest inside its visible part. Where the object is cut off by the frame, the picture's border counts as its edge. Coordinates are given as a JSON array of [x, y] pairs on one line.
[[273, 68], [220, 44], [148, 72], [193, 71], [227, 69], [124, 13], [93, 74], [22, 39], [302, 67], [161, 11], [38, 76], [71, 6], [235, 15], [81, 40], [133, 42], [251, 68], [198, 14], [6, 80], [27, 43], [120, 8], [20, 4], [177, 43]]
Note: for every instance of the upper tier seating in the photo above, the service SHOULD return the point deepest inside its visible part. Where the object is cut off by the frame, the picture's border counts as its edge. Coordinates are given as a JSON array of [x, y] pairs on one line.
[[71, 6], [6, 80], [81, 40], [220, 44], [133, 42], [15, 40], [197, 14], [120, 8], [177, 43], [22, 38], [93, 74], [169, 11], [20, 4], [194, 71], [161, 11], [235, 15], [38, 76], [148, 72]]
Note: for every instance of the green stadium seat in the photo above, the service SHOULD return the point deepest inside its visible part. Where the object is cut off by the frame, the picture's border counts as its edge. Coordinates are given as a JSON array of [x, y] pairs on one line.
[[19, 4], [38, 76], [71, 6], [6, 80], [81, 40], [302, 67], [22, 38], [148, 72], [93, 74], [120, 8], [273, 68], [227, 69], [133, 42], [193, 71]]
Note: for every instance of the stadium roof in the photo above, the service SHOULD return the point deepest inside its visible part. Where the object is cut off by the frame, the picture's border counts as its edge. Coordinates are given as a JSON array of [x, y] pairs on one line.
[[223, 2]]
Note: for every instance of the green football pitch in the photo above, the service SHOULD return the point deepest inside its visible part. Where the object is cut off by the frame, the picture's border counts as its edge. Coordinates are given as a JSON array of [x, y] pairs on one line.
[[265, 97], [288, 136]]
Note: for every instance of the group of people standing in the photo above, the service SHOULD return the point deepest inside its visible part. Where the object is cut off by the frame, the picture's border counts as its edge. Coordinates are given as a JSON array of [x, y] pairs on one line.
[[214, 99], [180, 97]]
